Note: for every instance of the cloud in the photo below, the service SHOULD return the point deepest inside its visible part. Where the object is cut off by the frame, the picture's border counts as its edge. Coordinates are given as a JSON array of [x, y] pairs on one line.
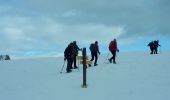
[[137, 16], [40, 26], [44, 34]]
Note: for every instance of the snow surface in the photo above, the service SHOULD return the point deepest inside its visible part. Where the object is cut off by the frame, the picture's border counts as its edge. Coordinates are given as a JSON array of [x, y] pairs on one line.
[[137, 76]]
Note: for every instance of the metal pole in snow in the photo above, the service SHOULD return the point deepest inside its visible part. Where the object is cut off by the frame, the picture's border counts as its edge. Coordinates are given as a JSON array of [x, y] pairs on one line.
[[84, 68]]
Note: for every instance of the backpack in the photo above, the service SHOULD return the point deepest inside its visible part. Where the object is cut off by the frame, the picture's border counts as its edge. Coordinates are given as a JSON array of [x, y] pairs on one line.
[[93, 47], [110, 46], [151, 44], [113, 46]]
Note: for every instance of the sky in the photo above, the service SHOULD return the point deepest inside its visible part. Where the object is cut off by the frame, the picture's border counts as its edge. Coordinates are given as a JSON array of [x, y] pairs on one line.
[[31, 28]]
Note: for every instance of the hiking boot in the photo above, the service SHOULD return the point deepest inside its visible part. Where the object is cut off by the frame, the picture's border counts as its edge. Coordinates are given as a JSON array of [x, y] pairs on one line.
[[114, 62], [95, 64], [89, 65], [75, 67], [68, 71]]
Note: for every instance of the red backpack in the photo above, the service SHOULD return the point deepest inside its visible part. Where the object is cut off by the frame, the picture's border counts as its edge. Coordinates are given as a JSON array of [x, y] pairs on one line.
[[113, 46]]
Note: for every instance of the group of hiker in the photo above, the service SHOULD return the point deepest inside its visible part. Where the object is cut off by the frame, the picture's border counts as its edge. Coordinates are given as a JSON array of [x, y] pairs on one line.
[[4, 57], [72, 49], [154, 46]]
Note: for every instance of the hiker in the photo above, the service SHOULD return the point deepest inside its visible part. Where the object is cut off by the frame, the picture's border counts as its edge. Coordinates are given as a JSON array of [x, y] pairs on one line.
[[113, 49], [76, 53], [94, 49], [69, 56], [151, 45], [156, 44], [7, 57]]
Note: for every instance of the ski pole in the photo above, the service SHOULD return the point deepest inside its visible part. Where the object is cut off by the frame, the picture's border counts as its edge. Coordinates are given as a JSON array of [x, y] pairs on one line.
[[160, 49], [107, 56], [62, 67]]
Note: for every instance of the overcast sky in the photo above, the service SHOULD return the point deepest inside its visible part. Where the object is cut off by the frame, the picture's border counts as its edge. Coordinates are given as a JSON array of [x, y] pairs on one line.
[[45, 27]]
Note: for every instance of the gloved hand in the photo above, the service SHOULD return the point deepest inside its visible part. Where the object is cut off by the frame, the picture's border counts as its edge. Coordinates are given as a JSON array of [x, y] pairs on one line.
[[117, 50], [99, 53], [64, 58]]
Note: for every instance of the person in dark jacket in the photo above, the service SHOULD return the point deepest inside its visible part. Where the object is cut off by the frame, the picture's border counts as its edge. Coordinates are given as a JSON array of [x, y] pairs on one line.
[[76, 53], [156, 44], [113, 49], [69, 56], [94, 49], [152, 46]]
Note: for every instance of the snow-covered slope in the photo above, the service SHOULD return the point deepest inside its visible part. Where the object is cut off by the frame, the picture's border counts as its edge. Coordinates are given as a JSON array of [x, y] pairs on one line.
[[137, 76]]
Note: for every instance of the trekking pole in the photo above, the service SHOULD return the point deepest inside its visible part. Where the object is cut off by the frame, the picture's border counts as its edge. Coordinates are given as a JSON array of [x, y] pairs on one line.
[[62, 67], [107, 56], [117, 55]]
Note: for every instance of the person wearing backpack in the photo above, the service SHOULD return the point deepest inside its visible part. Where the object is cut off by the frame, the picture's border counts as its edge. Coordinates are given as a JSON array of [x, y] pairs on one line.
[[152, 47], [76, 53], [69, 56], [113, 49], [94, 49], [156, 44]]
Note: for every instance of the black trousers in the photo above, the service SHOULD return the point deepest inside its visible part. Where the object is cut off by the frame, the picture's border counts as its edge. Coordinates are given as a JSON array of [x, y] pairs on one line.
[[75, 61], [152, 50], [69, 64], [113, 56], [155, 51], [94, 56]]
